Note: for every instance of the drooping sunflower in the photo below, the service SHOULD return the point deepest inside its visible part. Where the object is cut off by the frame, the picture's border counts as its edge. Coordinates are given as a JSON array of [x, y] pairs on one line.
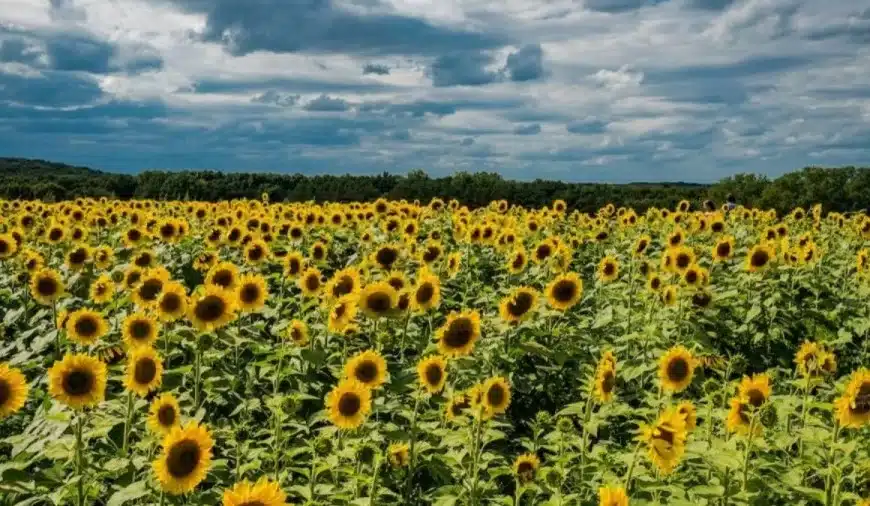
[[605, 379], [608, 269], [368, 368], [676, 368], [432, 373], [262, 493], [427, 292], [565, 291], [172, 303], [496, 395], [344, 282], [79, 381], [457, 406], [13, 390], [342, 314], [211, 309], [457, 336], [310, 282], [759, 257], [665, 440], [739, 419], [399, 454], [251, 292], [150, 286], [224, 275], [164, 414], [526, 467], [348, 404], [185, 458], [46, 286], [297, 332], [144, 371], [687, 409], [102, 289], [612, 495], [641, 245], [85, 326], [519, 305], [853, 407], [378, 299]]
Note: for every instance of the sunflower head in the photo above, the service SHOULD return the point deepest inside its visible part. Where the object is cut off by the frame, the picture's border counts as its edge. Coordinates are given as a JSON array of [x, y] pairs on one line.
[[457, 336], [754, 390], [144, 371], [612, 495], [150, 286], [13, 390], [432, 373], [565, 291], [368, 368], [342, 314], [310, 282], [687, 410], [212, 309], [262, 493], [251, 292], [526, 467], [224, 275], [46, 286], [399, 454], [297, 332], [519, 305], [676, 368], [666, 440], [386, 256], [605, 380], [348, 404], [172, 303], [102, 289], [344, 282], [427, 292], [853, 407], [759, 257], [85, 326], [185, 458], [496, 395], [164, 414], [256, 252], [608, 269], [78, 381], [457, 406], [378, 299]]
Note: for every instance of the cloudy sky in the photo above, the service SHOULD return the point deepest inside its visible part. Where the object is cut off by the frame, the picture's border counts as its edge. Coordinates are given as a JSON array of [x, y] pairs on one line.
[[580, 90]]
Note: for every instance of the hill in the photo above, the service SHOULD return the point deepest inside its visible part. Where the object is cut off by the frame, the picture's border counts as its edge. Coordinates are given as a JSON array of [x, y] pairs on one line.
[[25, 167]]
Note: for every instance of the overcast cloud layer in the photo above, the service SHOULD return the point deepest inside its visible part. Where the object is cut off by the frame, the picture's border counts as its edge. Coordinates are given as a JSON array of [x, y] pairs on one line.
[[582, 90]]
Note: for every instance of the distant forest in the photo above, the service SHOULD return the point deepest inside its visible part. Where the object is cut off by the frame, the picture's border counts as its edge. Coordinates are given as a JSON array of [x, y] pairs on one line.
[[840, 189]]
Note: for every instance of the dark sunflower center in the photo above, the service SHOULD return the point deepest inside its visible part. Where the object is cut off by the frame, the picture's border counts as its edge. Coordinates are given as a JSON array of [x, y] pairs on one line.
[[255, 253], [234, 235], [459, 333], [134, 235], [55, 234], [379, 302], [691, 277], [5, 392], [349, 404], [759, 258], [862, 400], [293, 266], [343, 286], [717, 226], [655, 283], [495, 395], [167, 231], [518, 262], [431, 254], [78, 382], [701, 299], [133, 278], [4, 247], [609, 269], [170, 302], [249, 294], [608, 382], [78, 256], [166, 416], [366, 371], [520, 304], [140, 329], [424, 293], [86, 326], [543, 251], [339, 311], [459, 405], [150, 289], [641, 246], [183, 458], [46, 286], [678, 369], [296, 232], [318, 253], [210, 308], [223, 278], [565, 290], [675, 240], [665, 435], [312, 282], [525, 467], [433, 374], [386, 257], [723, 250], [683, 260], [756, 398], [145, 371]]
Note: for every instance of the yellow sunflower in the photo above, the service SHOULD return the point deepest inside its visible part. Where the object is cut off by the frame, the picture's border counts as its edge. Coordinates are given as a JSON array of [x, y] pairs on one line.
[[77, 257], [368, 368], [813, 359], [318, 252], [738, 420], [496, 395], [13, 390], [853, 407], [172, 303], [262, 493], [454, 263], [432, 373], [612, 495], [297, 332], [754, 390], [399, 454], [526, 467], [457, 336], [46, 286], [251, 292], [679, 258], [139, 330], [760, 257], [342, 314], [211, 309], [85, 326], [517, 261], [185, 458], [565, 291], [144, 371], [519, 305], [132, 276], [164, 414], [79, 381], [608, 269], [150, 286], [348, 404], [257, 251], [344, 282], [386, 256], [145, 259], [102, 290], [605, 381], [310, 282], [456, 406], [676, 368], [224, 275], [665, 440], [687, 410], [294, 263], [378, 299], [427, 292]]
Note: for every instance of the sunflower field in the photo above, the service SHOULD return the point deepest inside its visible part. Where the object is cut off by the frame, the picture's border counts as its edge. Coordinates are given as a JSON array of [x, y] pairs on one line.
[[248, 353]]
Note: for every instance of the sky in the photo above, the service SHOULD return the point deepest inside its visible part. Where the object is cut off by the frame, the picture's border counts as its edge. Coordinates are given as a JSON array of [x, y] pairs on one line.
[[577, 90]]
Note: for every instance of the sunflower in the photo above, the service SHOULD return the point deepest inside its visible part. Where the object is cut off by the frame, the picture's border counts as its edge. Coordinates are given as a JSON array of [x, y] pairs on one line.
[[680, 258], [457, 406], [256, 252], [342, 314], [224, 275], [754, 390], [184, 459], [738, 420], [694, 275], [565, 291], [702, 299], [526, 467], [496, 395], [612, 495], [211, 309], [666, 440], [759, 257], [251, 292], [454, 263], [432, 373], [310, 282], [132, 276], [85, 326], [641, 245], [344, 282], [687, 410], [103, 257], [46, 286], [348, 404], [318, 252], [605, 379], [79, 381], [172, 302], [102, 290], [457, 336], [427, 292], [676, 368], [431, 253], [145, 259], [55, 233], [262, 493], [676, 238], [608, 269], [399, 454], [8, 246], [378, 299], [164, 414], [368, 368], [297, 332], [205, 261], [386, 256], [139, 330], [146, 293], [13, 390], [654, 283], [853, 407], [133, 236], [519, 305], [813, 359], [517, 261], [144, 371], [670, 295]]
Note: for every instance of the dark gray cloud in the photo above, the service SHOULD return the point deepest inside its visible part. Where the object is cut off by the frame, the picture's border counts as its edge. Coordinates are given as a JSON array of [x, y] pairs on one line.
[[285, 85], [466, 141], [325, 103], [376, 68], [613, 6], [533, 129], [52, 89], [586, 126], [526, 64], [466, 68], [274, 97]]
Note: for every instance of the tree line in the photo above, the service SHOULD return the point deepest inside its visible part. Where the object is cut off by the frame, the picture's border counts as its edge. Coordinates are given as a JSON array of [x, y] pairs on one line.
[[840, 189]]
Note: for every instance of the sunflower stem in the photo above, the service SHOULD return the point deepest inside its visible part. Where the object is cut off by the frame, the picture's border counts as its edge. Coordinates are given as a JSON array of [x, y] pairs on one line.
[[78, 457], [162, 498], [197, 359], [587, 412], [477, 449], [373, 500], [412, 457], [804, 412], [630, 472], [58, 329], [128, 421], [630, 293], [829, 479], [404, 336], [518, 492], [748, 450]]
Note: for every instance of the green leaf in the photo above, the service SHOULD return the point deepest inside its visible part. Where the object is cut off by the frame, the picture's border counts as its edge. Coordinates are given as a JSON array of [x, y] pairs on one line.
[[129, 493]]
